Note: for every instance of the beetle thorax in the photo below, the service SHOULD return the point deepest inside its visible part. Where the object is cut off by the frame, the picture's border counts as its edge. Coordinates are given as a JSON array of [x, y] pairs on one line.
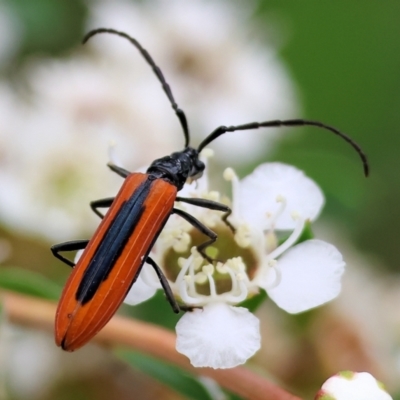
[[178, 167]]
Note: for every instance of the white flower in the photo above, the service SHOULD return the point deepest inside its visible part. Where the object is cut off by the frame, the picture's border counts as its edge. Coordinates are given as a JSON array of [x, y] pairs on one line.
[[273, 186], [234, 336], [349, 385], [260, 253]]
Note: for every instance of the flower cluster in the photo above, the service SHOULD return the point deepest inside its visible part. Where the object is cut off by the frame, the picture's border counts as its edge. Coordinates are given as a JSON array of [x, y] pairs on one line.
[[352, 385], [259, 248]]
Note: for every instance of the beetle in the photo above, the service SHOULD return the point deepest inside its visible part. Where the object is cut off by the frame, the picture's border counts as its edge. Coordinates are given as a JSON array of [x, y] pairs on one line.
[[113, 258]]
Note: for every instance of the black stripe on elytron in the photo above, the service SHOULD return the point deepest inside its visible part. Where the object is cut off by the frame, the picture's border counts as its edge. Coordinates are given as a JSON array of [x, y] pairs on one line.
[[145, 256], [113, 242]]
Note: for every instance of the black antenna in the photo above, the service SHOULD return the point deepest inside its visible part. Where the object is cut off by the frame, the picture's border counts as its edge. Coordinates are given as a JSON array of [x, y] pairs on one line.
[[278, 123], [157, 71]]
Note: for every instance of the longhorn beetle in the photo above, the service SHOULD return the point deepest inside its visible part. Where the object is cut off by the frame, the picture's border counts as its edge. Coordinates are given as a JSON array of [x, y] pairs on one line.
[[113, 258]]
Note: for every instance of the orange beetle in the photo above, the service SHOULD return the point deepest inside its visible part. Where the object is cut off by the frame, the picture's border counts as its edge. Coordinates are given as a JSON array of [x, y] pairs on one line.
[[113, 258]]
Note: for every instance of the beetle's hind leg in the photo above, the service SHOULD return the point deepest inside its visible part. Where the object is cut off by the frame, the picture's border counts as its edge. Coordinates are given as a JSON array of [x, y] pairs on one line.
[[165, 285], [68, 246], [167, 289]]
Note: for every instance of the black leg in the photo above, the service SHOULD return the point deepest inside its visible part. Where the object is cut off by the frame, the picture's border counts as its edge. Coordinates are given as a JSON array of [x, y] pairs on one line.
[[202, 228], [212, 205], [102, 203], [68, 246], [118, 170], [164, 283]]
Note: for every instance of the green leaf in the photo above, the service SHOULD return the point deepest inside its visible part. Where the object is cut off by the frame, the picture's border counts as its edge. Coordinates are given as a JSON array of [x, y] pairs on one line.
[[50, 26], [396, 396], [168, 374], [28, 282]]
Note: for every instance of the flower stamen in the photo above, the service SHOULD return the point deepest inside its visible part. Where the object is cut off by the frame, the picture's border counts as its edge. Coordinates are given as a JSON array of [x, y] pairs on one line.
[[240, 279], [243, 235], [281, 200], [290, 240], [183, 285], [209, 271], [112, 154], [230, 176], [274, 266]]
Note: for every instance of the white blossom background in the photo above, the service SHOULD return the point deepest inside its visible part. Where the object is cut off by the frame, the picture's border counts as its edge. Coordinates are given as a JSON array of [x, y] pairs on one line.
[[228, 62]]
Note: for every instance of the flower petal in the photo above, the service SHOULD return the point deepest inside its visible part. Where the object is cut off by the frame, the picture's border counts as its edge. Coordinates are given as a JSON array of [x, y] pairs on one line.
[[354, 386], [140, 290], [258, 193], [310, 276], [218, 336]]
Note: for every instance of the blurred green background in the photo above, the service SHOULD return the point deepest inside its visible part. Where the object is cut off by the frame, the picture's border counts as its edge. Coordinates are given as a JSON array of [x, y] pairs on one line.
[[344, 59]]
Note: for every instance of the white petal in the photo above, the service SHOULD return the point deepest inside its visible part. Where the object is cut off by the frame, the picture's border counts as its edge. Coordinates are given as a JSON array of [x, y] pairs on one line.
[[259, 190], [140, 290], [354, 386], [310, 276], [78, 255], [218, 336]]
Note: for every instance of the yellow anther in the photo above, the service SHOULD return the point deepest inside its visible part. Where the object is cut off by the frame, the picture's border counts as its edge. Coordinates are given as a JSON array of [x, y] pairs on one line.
[[295, 215], [181, 262], [200, 278], [207, 153], [208, 269], [229, 174]]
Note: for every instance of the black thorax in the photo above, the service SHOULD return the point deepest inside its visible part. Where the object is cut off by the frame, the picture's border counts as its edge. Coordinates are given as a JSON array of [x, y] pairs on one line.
[[178, 167]]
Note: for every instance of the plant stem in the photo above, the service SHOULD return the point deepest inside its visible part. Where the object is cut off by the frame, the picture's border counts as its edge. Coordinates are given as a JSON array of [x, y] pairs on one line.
[[147, 338]]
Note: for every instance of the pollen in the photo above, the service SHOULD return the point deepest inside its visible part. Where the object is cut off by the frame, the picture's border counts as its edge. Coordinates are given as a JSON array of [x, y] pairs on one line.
[[200, 278], [207, 153], [272, 263], [222, 268], [229, 174], [208, 269], [243, 235], [295, 215]]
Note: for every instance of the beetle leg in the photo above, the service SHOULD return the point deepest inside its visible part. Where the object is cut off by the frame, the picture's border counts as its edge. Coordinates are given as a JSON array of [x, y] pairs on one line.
[[202, 228], [68, 246], [212, 205], [164, 283], [94, 205], [118, 170], [167, 289]]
